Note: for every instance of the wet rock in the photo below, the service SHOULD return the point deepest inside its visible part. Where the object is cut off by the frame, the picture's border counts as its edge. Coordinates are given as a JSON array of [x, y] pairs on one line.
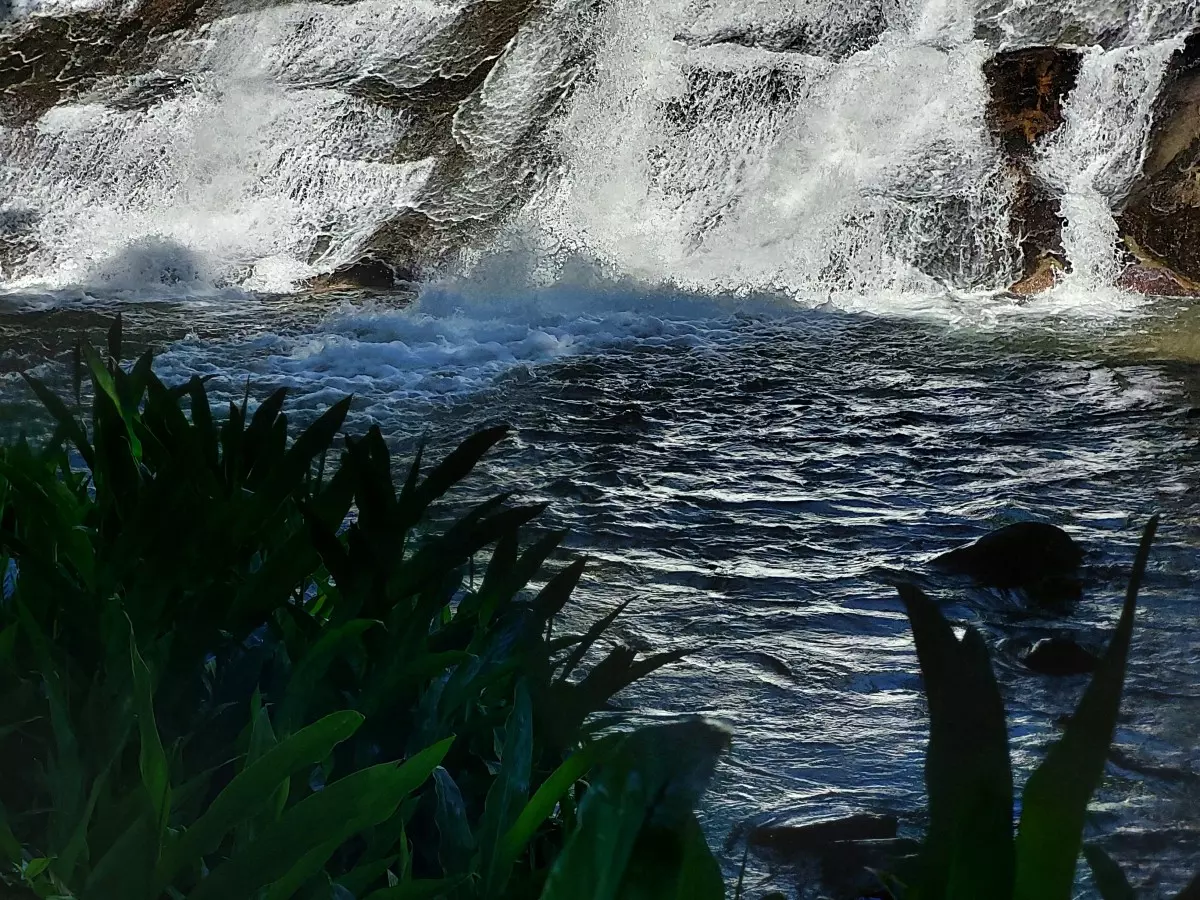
[[1131, 763], [46, 59], [17, 237], [1155, 281], [1047, 271], [791, 836], [1160, 222], [1039, 558], [772, 664], [1060, 656], [823, 37], [1028, 90], [365, 274]]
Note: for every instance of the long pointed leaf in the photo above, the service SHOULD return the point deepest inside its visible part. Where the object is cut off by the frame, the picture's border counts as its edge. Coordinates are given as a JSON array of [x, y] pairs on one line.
[[324, 819], [251, 788], [1057, 794]]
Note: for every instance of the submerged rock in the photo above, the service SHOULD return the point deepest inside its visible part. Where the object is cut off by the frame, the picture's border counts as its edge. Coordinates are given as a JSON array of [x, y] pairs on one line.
[[1059, 656], [849, 869], [1160, 222], [1028, 90], [1039, 558], [794, 836]]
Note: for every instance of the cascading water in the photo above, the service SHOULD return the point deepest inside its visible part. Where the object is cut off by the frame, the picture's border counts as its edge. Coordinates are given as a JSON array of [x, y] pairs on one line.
[[820, 148], [627, 198]]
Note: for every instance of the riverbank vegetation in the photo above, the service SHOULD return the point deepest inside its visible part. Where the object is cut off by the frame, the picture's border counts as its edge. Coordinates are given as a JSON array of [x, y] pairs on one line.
[[234, 664]]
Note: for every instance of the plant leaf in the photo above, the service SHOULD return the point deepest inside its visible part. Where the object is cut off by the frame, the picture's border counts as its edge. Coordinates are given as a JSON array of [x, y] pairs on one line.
[[1057, 794], [1110, 880], [245, 796], [968, 849], [324, 819]]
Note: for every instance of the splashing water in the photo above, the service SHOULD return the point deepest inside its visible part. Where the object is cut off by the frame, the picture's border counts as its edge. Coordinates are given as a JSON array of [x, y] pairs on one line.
[[830, 150]]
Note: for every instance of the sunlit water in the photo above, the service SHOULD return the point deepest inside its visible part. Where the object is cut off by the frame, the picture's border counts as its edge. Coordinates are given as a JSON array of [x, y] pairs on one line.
[[756, 476]]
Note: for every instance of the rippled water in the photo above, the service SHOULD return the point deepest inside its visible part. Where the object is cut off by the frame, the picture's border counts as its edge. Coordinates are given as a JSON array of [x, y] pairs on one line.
[[756, 476]]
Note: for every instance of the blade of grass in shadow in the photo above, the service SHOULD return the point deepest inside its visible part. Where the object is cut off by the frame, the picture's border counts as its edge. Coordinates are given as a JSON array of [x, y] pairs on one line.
[[1056, 797]]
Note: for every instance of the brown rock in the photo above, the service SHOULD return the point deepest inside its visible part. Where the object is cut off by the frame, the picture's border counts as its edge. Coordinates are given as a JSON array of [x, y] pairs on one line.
[[1028, 90], [1161, 219], [364, 274], [1044, 277]]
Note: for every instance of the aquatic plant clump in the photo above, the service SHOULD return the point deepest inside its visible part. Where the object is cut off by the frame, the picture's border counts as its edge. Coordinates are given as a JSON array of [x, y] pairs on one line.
[[212, 687]]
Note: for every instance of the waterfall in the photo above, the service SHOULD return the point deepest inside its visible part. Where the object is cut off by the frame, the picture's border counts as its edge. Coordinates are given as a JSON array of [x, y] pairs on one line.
[[827, 149]]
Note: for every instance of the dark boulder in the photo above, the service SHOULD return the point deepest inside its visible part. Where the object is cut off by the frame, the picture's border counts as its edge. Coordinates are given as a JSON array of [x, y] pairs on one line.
[[1059, 656], [365, 274], [1028, 89], [790, 836], [1160, 222], [1034, 556]]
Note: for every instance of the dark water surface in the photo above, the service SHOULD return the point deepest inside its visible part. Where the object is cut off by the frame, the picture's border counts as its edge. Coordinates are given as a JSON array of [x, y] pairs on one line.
[[756, 477]]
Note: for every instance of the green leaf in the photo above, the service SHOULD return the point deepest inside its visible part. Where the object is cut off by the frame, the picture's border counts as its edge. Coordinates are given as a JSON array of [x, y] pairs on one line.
[[542, 805], [554, 596], [70, 425], [508, 793], [655, 779], [10, 847], [1057, 794], [458, 465], [302, 872], [968, 850], [248, 792], [127, 869], [456, 846], [324, 819], [311, 669], [593, 634], [151, 759], [673, 864], [1110, 880]]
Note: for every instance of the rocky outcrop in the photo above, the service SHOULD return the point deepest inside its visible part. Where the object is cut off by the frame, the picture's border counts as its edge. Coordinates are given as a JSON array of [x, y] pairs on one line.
[[823, 36], [1161, 219], [1028, 89], [46, 59]]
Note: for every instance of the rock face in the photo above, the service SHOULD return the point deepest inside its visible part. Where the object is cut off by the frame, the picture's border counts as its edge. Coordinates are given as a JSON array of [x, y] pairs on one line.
[[1028, 89], [45, 59], [1036, 557], [1161, 219]]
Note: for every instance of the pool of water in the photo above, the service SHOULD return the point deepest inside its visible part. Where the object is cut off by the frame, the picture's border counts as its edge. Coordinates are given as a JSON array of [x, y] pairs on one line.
[[756, 476]]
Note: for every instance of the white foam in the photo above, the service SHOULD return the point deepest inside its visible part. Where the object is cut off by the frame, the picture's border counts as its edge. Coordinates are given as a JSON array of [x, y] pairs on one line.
[[1094, 159]]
